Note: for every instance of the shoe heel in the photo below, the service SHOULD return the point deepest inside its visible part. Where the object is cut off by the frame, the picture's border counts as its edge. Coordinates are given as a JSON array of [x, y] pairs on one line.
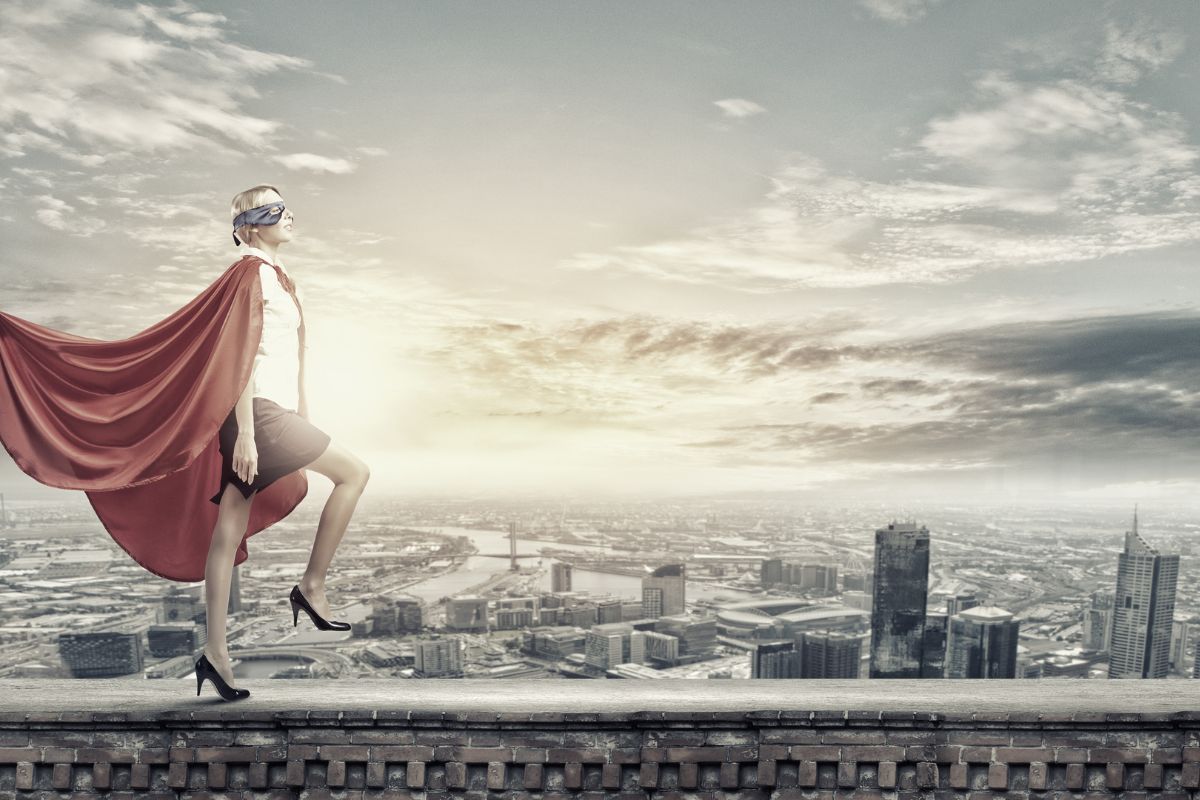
[[295, 614], [199, 683]]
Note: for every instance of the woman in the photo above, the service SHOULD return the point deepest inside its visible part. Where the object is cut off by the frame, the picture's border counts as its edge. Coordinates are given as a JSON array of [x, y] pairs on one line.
[[210, 397], [269, 427]]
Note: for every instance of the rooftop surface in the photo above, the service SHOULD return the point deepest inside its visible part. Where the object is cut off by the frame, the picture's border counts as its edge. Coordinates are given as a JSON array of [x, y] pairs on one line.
[[1051, 698]]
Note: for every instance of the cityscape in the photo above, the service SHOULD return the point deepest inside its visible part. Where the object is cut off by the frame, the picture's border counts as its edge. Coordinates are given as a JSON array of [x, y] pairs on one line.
[[676, 588]]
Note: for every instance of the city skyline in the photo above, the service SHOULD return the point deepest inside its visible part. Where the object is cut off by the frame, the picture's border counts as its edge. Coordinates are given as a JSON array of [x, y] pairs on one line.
[[880, 250]]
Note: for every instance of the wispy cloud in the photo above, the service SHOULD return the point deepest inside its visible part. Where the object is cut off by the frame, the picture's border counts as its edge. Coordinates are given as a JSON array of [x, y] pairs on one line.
[[900, 12], [99, 83], [60, 215], [739, 108], [1028, 172], [315, 163]]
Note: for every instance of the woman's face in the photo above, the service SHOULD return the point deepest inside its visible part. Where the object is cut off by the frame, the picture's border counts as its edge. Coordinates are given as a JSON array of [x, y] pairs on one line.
[[279, 232]]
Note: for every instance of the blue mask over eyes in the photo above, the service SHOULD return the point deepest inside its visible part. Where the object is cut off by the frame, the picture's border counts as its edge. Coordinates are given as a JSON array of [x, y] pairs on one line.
[[269, 214]]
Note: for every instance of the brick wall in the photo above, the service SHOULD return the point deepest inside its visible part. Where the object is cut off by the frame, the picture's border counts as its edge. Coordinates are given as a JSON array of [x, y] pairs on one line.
[[237, 750]]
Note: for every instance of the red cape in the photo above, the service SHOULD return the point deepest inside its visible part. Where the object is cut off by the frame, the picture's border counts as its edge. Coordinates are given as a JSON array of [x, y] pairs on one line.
[[134, 422]]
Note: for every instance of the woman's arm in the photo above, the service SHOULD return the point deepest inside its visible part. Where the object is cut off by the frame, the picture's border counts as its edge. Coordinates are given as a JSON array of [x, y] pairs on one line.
[[245, 452]]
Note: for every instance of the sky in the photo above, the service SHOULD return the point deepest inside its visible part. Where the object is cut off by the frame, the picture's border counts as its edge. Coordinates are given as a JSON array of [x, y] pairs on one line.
[[853, 250]]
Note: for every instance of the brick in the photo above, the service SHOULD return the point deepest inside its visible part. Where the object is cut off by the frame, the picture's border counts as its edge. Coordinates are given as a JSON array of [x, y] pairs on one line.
[[456, 775], [533, 777], [414, 774], [207, 755], [497, 775], [958, 776], [847, 773], [1124, 755], [698, 755], [648, 776], [217, 774], [1190, 779], [584, 755], [804, 752], [852, 737], [1075, 775], [610, 777], [1023, 755], [335, 773], [1038, 775], [887, 774], [177, 774], [1189, 754], [1152, 776], [60, 777], [870, 753], [998, 776], [1070, 755], [1114, 775], [729, 775], [295, 773], [688, 775], [927, 775], [347, 752], [24, 775], [1166, 755], [767, 773], [806, 773], [102, 775], [139, 776]]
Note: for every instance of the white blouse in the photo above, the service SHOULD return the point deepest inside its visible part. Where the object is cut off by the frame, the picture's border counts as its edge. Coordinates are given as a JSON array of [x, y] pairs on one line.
[[277, 364]]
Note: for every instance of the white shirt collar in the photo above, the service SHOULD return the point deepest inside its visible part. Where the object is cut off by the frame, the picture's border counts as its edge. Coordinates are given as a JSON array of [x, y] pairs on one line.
[[254, 251]]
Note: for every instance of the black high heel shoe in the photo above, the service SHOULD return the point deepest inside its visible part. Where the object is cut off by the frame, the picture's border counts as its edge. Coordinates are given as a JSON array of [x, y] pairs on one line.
[[205, 669], [299, 602]]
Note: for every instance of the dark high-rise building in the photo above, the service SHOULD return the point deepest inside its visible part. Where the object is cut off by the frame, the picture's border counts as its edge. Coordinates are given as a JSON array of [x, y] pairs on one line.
[[829, 654], [560, 577], [1143, 610], [1097, 621], [771, 571], [961, 602], [101, 654], [663, 591], [774, 660], [901, 593], [983, 644], [933, 649]]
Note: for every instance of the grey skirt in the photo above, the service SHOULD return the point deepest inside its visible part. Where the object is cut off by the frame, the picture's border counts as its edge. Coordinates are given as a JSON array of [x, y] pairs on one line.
[[285, 441]]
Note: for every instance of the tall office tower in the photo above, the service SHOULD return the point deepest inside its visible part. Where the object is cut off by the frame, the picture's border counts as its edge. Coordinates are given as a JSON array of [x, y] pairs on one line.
[[663, 591], [235, 593], [771, 571], [933, 647], [434, 658], [774, 660], [697, 635], [560, 577], [1097, 621], [961, 602], [1143, 610], [1180, 633], [614, 643], [822, 577], [829, 654], [901, 592], [1196, 664], [983, 644], [467, 613], [101, 654]]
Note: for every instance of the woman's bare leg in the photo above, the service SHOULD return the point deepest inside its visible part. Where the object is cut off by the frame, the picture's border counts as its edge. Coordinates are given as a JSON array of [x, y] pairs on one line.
[[349, 475], [232, 519]]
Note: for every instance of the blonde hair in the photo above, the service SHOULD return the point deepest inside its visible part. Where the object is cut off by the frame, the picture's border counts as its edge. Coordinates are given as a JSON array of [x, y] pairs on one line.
[[243, 201]]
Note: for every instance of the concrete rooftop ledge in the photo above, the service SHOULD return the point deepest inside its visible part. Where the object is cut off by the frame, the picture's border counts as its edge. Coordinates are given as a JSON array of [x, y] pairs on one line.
[[715, 739], [949, 699]]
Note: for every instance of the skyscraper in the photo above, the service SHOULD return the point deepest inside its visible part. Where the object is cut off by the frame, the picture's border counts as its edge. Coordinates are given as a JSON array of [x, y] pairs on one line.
[[663, 591], [774, 660], [829, 654], [1143, 610], [983, 644], [1097, 621], [901, 592], [560, 577]]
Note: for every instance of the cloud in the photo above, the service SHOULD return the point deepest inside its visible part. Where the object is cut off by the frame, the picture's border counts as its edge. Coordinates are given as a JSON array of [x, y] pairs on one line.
[[739, 108], [372, 151], [316, 163], [900, 12], [1029, 171], [61, 216], [98, 83]]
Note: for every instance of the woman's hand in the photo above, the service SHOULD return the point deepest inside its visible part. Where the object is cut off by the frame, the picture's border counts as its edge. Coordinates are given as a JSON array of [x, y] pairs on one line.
[[245, 456]]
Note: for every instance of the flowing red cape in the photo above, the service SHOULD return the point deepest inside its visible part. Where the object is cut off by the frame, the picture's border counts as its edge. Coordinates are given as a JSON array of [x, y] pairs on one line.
[[134, 422]]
